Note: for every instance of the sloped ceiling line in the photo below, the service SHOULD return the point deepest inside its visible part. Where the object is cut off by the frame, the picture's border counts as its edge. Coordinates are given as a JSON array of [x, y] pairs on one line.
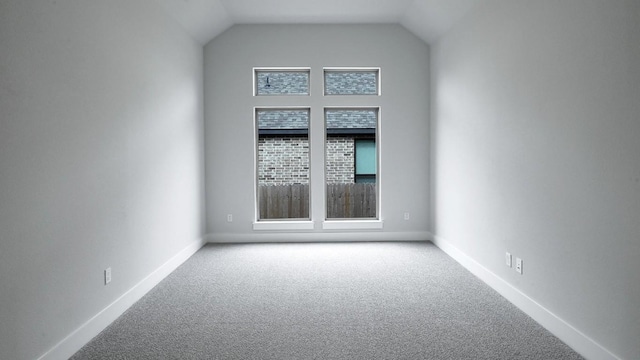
[[427, 19]]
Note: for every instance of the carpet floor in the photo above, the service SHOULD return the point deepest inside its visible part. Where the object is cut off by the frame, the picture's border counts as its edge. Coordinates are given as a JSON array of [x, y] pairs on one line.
[[323, 301]]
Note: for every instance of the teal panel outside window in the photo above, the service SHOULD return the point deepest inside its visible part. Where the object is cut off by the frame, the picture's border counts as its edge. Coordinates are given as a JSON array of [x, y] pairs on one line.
[[365, 157]]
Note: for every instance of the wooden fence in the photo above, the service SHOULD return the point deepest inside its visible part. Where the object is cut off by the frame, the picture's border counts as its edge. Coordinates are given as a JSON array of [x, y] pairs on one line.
[[351, 201], [284, 201], [292, 201]]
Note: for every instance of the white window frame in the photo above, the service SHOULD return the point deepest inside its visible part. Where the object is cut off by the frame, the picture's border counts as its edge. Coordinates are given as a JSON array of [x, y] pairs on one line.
[[308, 225], [355, 223], [278, 224]]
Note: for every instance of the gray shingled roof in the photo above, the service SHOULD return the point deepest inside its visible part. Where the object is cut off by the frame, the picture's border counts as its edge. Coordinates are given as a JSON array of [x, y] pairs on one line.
[[282, 83], [299, 119], [350, 83], [351, 119], [283, 119]]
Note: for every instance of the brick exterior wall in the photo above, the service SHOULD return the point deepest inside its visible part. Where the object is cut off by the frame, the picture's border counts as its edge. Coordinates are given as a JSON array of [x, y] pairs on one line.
[[340, 160], [283, 161]]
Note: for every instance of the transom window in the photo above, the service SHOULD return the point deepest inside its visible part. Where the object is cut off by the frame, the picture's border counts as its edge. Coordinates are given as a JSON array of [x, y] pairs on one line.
[[352, 81], [276, 81]]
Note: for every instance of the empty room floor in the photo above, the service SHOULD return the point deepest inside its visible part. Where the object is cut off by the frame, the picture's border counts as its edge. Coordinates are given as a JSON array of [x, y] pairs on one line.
[[324, 301]]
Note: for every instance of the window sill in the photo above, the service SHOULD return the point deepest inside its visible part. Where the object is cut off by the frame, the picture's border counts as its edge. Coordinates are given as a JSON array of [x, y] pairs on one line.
[[283, 225], [352, 225]]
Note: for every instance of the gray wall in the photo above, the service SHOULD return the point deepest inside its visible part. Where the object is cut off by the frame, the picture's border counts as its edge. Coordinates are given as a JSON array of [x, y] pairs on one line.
[[536, 151], [101, 160], [229, 60]]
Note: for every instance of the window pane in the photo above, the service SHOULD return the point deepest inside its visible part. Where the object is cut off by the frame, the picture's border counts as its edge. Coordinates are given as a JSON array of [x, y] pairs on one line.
[[351, 163], [365, 157], [283, 164], [282, 82], [338, 82]]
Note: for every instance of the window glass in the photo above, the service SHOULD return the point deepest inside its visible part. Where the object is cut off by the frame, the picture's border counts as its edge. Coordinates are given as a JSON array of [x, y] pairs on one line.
[[343, 82], [280, 82], [283, 163], [350, 156]]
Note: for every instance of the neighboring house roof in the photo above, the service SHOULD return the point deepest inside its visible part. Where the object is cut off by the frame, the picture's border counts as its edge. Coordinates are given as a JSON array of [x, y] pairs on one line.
[[286, 82], [345, 121], [283, 119], [352, 119]]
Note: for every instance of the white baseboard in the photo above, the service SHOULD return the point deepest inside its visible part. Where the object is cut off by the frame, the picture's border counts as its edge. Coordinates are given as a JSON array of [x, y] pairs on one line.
[[581, 343], [87, 331], [344, 236]]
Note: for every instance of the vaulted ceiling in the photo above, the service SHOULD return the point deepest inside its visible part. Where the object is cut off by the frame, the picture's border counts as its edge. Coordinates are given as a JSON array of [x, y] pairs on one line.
[[428, 19]]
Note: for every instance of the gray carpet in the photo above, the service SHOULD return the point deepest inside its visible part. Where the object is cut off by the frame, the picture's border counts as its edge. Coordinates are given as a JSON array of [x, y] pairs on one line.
[[323, 301]]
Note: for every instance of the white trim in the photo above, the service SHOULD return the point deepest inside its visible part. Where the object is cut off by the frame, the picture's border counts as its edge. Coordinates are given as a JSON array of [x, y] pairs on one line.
[[283, 225], [87, 331], [352, 224], [256, 139], [573, 337], [333, 236], [378, 140]]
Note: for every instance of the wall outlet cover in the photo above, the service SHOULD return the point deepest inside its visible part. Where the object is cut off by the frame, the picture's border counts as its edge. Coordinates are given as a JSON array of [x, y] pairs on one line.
[[519, 265]]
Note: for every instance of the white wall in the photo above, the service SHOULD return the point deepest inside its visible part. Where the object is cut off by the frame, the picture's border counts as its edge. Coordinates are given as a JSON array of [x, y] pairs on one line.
[[536, 151], [101, 160], [229, 60]]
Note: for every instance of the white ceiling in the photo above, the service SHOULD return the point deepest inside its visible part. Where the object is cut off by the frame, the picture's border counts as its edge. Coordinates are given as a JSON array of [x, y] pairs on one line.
[[428, 19]]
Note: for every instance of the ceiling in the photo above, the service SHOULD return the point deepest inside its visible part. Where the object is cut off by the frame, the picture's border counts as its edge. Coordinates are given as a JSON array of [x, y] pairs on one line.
[[428, 19]]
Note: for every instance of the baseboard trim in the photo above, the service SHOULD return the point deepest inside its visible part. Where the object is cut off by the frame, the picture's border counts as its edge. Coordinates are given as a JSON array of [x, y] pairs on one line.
[[573, 337], [343, 236], [87, 331]]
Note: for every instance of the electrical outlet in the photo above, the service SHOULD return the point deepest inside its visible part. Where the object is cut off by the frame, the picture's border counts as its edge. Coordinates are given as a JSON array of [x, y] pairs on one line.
[[508, 259], [107, 275], [519, 265], [407, 216], [229, 217]]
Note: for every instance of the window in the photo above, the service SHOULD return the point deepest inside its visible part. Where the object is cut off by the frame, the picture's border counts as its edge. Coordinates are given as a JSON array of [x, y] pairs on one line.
[[283, 163], [351, 163], [275, 81], [282, 150], [351, 81], [365, 150]]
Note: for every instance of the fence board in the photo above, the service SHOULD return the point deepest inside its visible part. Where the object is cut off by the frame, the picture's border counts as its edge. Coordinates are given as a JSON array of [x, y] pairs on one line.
[[292, 201], [351, 201], [284, 201]]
